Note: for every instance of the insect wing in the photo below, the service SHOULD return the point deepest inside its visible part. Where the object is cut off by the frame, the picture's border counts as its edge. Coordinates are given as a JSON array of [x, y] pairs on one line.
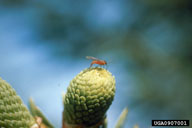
[[91, 58]]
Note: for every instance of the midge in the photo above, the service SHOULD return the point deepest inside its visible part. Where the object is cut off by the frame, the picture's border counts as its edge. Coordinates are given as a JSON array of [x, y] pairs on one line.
[[96, 61]]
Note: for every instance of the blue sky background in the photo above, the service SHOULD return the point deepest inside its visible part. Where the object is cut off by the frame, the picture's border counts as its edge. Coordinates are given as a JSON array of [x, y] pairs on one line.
[[43, 45]]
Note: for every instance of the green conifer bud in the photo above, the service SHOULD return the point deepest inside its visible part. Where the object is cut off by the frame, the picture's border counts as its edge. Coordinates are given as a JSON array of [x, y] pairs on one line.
[[88, 97], [13, 113]]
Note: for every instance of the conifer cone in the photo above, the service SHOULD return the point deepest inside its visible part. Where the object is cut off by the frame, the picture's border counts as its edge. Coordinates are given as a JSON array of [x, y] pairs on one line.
[[13, 113], [88, 97]]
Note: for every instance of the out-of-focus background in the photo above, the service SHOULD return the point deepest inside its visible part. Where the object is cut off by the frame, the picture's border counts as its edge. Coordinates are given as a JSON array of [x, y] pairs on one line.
[[147, 43]]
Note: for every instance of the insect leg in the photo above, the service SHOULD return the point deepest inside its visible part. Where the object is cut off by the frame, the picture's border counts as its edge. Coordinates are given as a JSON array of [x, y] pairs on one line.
[[91, 65], [106, 66]]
